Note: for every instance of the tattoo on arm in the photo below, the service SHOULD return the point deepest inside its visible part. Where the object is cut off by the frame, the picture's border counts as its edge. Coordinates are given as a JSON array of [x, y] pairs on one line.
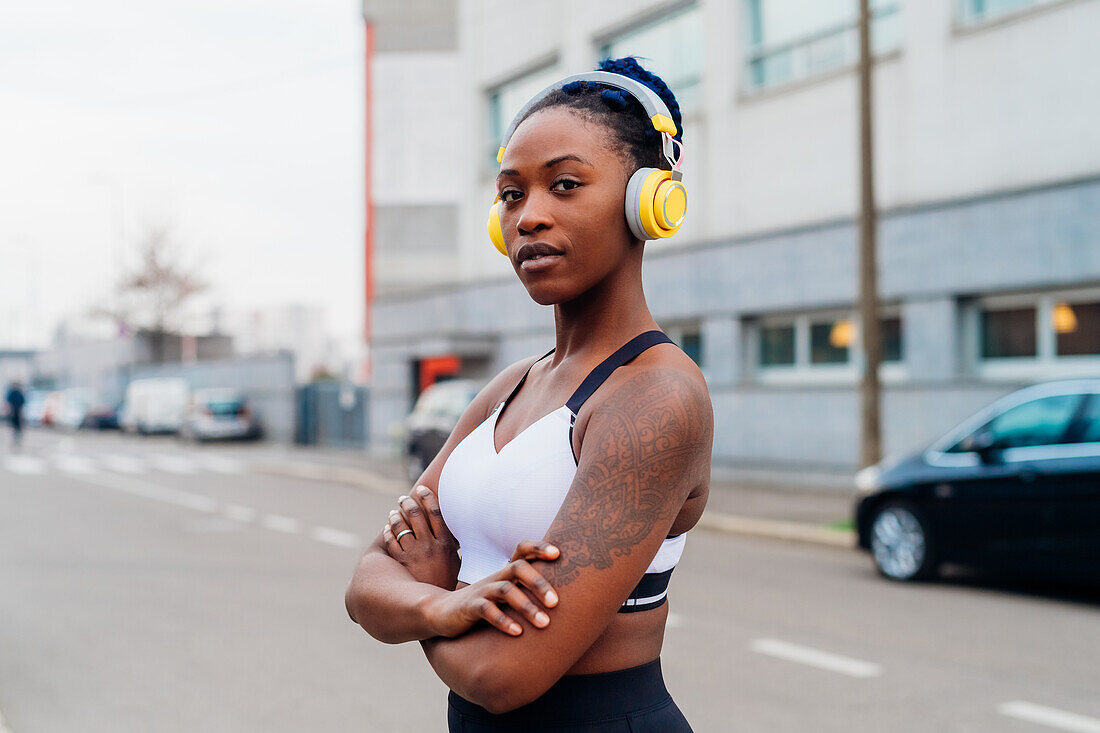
[[652, 446]]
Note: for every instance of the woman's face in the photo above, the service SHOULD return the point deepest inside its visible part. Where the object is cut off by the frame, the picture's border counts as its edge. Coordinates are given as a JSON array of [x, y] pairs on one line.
[[561, 191]]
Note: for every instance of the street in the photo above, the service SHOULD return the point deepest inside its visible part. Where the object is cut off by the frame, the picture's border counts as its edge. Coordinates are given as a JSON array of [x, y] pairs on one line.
[[147, 584]]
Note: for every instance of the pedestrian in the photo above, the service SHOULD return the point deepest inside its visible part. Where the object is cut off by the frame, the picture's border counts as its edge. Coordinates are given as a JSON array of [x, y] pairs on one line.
[[16, 400], [569, 482]]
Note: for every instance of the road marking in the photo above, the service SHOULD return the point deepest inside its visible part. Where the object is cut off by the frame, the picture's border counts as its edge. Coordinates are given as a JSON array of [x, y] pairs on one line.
[[239, 513], [220, 464], [1050, 717], [164, 494], [24, 465], [4, 724], [74, 464], [122, 464], [173, 464], [815, 658], [674, 620], [279, 523], [335, 537]]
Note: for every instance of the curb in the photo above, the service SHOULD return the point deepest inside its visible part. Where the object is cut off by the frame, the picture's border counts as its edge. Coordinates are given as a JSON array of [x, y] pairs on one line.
[[730, 524]]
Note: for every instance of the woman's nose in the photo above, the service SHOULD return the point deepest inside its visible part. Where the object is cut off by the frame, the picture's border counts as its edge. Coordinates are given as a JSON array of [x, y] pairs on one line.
[[535, 214]]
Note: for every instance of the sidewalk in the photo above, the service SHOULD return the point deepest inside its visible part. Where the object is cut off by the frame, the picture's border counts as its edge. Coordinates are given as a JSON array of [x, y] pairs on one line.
[[774, 509]]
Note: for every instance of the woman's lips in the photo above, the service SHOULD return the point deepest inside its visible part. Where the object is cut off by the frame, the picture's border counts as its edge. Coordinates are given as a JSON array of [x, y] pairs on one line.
[[538, 264]]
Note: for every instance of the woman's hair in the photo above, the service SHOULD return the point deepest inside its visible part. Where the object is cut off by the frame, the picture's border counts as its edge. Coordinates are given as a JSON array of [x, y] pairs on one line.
[[619, 112]]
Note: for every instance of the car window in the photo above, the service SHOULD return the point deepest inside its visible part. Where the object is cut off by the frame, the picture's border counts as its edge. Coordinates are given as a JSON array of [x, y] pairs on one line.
[[1090, 421], [1039, 422]]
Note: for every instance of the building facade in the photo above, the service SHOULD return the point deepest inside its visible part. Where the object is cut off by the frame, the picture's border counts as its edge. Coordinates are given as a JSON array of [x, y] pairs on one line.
[[987, 178]]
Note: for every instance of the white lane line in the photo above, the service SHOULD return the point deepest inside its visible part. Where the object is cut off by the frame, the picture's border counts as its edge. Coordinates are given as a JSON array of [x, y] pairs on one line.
[[815, 658], [239, 513], [279, 523], [74, 464], [335, 537], [122, 464], [164, 494], [1050, 717], [674, 620], [173, 464], [220, 464], [24, 465]]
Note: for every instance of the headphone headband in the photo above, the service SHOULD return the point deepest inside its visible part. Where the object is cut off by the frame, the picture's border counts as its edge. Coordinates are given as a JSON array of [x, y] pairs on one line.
[[654, 106]]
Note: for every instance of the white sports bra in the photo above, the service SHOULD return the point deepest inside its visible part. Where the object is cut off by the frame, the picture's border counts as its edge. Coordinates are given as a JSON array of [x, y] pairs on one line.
[[491, 501]]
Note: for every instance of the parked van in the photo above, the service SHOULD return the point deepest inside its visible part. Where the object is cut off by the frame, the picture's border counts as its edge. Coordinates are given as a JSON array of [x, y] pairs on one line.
[[155, 405]]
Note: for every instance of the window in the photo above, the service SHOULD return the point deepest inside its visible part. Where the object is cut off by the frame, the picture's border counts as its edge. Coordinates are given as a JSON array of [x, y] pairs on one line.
[[1039, 422], [821, 341], [689, 338], [1008, 333], [672, 48], [973, 12], [1076, 328], [1038, 335], [777, 346], [507, 99], [829, 341], [1090, 432], [792, 39]]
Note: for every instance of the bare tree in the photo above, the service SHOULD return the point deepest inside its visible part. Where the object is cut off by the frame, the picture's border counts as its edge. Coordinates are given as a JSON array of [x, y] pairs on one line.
[[153, 296]]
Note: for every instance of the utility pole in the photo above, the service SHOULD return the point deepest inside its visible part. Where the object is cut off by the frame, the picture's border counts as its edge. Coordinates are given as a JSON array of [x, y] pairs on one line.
[[870, 389]]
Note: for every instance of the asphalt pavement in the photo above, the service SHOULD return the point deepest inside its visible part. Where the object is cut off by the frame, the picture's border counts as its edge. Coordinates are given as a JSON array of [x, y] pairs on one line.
[[147, 585]]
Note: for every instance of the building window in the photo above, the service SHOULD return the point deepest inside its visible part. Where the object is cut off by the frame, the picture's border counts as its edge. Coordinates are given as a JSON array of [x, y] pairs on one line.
[[1076, 328], [790, 40], [974, 12], [777, 346], [1008, 333], [508, 98], [689, 338], [822, 343], [1039, 335], [672, 48]]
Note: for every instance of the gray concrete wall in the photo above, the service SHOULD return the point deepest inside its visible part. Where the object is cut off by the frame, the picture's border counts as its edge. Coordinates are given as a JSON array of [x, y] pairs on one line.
[[932, 259]]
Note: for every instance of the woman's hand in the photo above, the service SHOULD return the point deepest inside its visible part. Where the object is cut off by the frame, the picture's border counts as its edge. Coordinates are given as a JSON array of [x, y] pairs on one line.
[[459, 610], [417, 537]]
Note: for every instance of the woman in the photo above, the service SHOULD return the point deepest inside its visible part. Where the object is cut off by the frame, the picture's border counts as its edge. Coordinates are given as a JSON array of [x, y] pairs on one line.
[[569, 481]]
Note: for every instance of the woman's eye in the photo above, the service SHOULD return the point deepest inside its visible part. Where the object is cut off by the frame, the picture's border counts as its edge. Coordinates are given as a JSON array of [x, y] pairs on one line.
[[564, 185], [507, 196]]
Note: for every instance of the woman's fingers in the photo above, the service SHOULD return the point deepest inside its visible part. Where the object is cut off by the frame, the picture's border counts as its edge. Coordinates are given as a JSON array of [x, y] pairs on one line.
[[521, 571], [414, 516], [532, 550], [508, 592], [431, 507], [397, 525], [392, 545], [491, 612]]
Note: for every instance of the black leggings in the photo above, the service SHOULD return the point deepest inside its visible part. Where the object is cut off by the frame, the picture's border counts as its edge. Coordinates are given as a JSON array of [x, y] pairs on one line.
[[627, 701]]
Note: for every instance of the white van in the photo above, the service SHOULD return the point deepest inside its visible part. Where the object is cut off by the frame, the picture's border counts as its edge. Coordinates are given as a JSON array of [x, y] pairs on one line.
[[155, 405]]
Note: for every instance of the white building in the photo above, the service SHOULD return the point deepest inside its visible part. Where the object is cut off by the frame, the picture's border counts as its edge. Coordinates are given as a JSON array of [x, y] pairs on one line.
[[987, 176]]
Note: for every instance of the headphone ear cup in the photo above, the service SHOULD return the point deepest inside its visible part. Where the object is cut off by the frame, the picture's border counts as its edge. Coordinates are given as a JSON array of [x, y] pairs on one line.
[[496, 233], [655, 204]]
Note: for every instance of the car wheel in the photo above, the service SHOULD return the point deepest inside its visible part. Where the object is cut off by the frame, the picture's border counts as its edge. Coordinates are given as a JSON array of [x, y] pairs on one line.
[[901, 543]]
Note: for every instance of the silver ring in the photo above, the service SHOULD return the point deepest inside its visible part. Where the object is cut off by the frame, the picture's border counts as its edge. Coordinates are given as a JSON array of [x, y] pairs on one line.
[[402, 533]]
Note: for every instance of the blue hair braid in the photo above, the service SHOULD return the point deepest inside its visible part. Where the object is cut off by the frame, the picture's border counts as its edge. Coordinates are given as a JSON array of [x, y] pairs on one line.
[[624, 117]]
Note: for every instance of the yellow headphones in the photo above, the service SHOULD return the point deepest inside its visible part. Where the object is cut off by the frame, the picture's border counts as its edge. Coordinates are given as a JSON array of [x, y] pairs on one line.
[[656, 200]]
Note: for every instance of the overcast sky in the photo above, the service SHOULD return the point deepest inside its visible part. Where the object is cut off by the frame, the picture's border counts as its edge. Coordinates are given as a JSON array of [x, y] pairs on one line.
[[235, 123]]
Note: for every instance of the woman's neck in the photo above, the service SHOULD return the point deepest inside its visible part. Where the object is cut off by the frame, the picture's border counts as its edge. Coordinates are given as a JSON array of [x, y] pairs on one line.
[[596, 322]]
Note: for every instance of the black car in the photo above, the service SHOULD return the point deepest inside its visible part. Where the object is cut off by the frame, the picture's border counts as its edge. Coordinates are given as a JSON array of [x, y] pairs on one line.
[[1016, 487], [433, 418]]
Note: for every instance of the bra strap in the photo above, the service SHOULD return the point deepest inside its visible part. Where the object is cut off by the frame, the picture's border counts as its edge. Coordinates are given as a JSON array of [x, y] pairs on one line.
[[524, 378], [597, 376]]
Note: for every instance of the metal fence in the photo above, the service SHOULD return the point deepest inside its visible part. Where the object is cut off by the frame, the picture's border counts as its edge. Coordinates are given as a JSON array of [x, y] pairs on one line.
[[332, 414]]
